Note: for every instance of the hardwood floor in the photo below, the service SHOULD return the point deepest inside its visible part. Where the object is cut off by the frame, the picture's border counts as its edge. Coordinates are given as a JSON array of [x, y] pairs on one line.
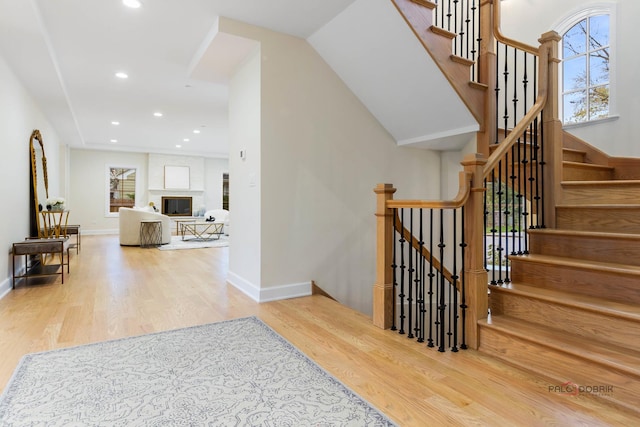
[[115, 292]]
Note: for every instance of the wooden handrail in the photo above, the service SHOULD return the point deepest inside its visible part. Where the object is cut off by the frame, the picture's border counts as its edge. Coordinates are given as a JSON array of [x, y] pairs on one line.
[[497, 31], [461, 198]]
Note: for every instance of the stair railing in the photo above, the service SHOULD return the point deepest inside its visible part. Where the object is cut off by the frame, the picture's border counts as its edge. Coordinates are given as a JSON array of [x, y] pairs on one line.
[[463, 19], [519, 193], [427, 276], [509, 190]]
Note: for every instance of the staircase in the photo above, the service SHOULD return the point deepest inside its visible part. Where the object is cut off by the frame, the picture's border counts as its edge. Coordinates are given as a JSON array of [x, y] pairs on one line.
[[572, 311]]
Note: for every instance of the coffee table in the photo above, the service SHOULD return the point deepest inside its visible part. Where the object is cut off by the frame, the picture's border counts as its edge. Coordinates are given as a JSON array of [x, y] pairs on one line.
[[201, 230]]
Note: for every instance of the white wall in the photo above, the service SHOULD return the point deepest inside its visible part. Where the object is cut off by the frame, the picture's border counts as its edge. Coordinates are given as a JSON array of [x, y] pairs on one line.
[[616, 137], [87, 187], [19, 116], [322, 153], [244, 177]]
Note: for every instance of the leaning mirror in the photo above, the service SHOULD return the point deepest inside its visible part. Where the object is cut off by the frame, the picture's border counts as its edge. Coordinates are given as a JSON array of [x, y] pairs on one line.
[[39, 181]]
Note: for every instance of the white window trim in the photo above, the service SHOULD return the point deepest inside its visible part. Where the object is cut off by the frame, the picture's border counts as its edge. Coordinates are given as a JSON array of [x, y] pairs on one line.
[[565, 25], [107, 187]]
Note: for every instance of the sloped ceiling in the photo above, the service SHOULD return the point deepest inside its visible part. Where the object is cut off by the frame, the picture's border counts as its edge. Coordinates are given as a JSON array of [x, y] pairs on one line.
[[376, 54]]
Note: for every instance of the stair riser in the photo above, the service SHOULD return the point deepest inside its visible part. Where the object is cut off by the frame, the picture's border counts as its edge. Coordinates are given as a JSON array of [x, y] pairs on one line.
[[573, 156], [590, 248], [610, 220], [603, 194], [620, 287], [589, 324], [572, 173], [566, 367]]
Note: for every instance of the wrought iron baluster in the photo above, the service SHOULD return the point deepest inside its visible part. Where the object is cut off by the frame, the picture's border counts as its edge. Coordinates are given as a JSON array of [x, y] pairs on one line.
[[420, 285], [402, 270], [431, 277], [442, 305], [453, 307], [410, 281], [463, 282]]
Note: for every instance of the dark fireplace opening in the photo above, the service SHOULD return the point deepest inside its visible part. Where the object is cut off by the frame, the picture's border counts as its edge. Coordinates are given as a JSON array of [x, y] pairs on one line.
[[176, 206]]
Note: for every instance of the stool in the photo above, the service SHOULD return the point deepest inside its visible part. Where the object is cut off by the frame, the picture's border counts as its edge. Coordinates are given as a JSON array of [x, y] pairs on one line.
[[40, 247], [74, 229], [150, 233]]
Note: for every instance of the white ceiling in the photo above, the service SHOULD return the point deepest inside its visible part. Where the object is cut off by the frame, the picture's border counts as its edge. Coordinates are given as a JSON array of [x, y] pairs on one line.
[[66, 53]]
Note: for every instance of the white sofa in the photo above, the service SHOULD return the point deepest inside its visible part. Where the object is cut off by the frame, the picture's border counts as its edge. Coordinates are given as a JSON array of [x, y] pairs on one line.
[[220, 215], [130, 225]]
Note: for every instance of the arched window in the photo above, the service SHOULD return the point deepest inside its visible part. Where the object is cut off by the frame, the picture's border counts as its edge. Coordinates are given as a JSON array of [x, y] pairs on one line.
[[586, 67]]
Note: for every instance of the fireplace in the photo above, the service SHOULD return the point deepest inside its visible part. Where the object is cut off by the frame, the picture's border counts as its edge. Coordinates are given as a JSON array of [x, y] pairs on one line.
[[176, 206]]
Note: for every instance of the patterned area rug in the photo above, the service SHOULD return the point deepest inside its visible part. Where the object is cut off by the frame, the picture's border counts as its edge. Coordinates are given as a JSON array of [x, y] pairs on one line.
[[178, 243], [233, 373]]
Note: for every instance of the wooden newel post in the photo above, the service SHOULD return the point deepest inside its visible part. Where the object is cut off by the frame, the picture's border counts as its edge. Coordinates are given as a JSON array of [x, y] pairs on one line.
[[549, 45], [383, 288], [475, 273]]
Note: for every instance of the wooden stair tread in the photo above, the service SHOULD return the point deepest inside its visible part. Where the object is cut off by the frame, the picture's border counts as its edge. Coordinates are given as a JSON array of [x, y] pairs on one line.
[[586, 165], [573, 150], [583, 233], [461, 60], [585, 302], [607, 354], [600, 206], [577, 263], [620, 182], [442, 32], [426, 3]]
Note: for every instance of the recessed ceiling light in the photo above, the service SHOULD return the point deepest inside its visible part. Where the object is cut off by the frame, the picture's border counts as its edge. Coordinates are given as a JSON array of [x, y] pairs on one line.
[[122, 75], [132, 3], [186, 140], [178, 146], [114, 140], [196, 131], [115, 123], [157, 114]]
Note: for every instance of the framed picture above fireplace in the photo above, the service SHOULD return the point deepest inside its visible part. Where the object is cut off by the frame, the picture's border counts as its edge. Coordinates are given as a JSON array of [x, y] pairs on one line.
[[177, 206]]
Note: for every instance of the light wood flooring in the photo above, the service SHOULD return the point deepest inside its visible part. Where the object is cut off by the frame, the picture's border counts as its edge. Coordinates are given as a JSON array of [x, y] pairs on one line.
[[115, 292]]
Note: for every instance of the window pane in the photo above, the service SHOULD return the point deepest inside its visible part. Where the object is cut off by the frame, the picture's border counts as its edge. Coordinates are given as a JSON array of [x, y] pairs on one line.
[[575, 107], [574, 73], [598, 32], [122, 188], [574, 41], [599, 102], [599, 67]]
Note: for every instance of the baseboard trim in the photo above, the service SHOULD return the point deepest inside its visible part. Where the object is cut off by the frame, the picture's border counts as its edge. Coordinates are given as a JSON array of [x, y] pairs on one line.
[[98, 232], [5, 287], [240, 283], [294, 290], [273, 293]]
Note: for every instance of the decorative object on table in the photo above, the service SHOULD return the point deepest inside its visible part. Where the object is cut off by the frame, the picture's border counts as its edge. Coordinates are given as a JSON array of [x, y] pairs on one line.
[[55, 204], [153, 206], [210, 219], [236, 372]]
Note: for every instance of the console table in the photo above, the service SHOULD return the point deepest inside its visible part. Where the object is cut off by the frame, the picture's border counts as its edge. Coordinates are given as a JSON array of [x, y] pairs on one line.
[[40, 247]]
